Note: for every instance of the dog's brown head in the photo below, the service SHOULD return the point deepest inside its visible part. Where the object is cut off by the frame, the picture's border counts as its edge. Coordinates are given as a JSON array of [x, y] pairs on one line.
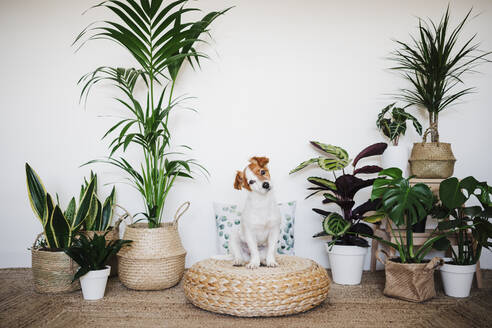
[[255, 177]]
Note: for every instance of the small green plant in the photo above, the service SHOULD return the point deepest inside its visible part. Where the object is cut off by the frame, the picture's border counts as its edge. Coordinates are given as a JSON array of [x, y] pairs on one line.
[[100, 214], [404, 205], [454, 213], [396, 125], [434, 63], [92, 253], [59, 227]]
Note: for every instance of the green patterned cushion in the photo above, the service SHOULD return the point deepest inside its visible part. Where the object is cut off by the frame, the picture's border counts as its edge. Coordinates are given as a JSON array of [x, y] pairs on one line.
[[227, 216]]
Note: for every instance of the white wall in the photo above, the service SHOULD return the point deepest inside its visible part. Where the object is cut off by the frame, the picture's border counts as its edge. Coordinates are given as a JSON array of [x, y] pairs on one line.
[[281, 73]]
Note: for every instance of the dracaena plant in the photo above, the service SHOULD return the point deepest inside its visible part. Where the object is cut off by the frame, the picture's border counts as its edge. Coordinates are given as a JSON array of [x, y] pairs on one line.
[[395, 125], [344, 228], [434, 63], [455, 212], [93, 253], [160, 38], [100, 214], [59, 226], [404, 205]]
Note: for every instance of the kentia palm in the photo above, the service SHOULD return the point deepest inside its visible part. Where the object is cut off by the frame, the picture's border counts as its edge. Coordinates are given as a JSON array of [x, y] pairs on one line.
[[158, 39], [434, 63]]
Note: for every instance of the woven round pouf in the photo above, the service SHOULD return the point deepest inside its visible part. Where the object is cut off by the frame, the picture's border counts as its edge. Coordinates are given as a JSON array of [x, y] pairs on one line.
[[295, 286]]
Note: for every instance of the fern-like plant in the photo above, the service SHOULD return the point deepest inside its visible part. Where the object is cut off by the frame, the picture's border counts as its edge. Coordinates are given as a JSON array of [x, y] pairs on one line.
[[160, 39]]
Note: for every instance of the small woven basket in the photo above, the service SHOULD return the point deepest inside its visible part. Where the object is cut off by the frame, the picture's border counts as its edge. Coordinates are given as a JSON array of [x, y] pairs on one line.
[[113, 234], [295, 286], [155, 259], [52, 271], [432, 160]]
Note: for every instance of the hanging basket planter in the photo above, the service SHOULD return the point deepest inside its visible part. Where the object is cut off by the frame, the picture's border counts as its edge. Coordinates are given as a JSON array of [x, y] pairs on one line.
[[156, 258], [52, 271]]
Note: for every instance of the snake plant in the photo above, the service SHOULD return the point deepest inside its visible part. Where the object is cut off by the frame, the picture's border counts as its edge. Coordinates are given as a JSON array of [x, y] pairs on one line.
[[59, 226], [159, 38], [100, 214]]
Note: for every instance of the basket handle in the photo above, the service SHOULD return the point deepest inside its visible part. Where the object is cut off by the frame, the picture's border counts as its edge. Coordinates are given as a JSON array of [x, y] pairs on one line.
[[181, 210], [433, 264], [123, 217], [37, 238], [385, 254], [431, 128]]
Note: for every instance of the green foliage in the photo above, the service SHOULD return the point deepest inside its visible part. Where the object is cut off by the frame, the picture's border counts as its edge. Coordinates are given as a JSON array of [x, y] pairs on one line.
[[469, 225], [434, 63], [404, 205], [335, 225], [59, 227], [396, 125], [93, 253], [100, 214], [157, 36]]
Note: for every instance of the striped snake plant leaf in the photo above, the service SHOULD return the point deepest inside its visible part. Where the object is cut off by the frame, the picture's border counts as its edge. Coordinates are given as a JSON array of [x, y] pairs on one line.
[[91, 217], [37, 194], [107, 211], [304, 164], [60, 228], [335, 225], [70, 211], [324, 183], [84, 205], [48, 232]]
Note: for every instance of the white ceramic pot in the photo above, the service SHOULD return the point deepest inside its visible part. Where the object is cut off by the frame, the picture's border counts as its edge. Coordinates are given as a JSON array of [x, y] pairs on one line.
[[346, 263], [457, 279], [396, 156], [94, 282]]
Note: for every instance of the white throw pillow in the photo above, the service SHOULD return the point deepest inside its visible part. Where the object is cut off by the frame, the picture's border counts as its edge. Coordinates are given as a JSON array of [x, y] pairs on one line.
[[227, 216]]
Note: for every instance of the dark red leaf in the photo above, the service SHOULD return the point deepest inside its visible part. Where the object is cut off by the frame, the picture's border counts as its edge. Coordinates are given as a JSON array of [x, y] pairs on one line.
[[372, 150], [368, 169]]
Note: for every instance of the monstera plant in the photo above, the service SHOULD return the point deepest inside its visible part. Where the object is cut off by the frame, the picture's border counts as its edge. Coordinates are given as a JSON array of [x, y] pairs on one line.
[[345, 227], [59, 226]]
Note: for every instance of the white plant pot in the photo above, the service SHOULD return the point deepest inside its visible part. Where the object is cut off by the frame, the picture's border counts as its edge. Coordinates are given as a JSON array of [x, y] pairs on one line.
[[94, 282], [457, 279], [346, 263], [396, 156]]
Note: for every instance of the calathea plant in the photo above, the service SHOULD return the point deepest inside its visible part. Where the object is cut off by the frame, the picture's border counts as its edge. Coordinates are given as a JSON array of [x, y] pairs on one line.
[[159, 39], [344, 228], [395, 125], [59, 226], [468, 224], [100, 214]]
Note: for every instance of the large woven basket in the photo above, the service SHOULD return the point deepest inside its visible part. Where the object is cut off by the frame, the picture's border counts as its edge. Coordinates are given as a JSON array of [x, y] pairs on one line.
[[432, 160], [155, 259], [295, 286], [113, 234], [411, 282], [52, 271]]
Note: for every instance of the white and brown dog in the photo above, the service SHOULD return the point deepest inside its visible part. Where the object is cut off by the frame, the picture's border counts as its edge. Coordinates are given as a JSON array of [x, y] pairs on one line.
[[259, 230]]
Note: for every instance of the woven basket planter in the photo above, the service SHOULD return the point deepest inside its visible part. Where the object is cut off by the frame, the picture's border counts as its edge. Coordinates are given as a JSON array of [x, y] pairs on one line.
[[432, 160], [155, 259], [410, 282], [295, 286], [53, 271]]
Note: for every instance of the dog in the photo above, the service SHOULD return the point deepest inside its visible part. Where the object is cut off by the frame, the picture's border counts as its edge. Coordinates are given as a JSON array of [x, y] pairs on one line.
[[259, 230]]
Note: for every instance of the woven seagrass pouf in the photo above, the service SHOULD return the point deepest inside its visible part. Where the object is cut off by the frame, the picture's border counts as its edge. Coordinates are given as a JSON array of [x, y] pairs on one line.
[[295, 286]]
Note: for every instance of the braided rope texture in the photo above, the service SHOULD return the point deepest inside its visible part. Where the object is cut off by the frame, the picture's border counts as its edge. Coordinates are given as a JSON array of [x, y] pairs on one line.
[[295, 286]]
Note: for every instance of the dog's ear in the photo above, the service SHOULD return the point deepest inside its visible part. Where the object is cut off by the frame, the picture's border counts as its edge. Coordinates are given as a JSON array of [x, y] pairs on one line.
[[238, 182], [261, 161]]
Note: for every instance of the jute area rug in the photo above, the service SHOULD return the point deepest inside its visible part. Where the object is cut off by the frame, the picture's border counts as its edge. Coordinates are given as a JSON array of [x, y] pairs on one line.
[[346, 306]]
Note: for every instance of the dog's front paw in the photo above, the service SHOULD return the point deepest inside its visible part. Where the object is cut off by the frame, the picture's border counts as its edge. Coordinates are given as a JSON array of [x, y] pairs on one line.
[[271, 263], [237, 262], [253, 264]]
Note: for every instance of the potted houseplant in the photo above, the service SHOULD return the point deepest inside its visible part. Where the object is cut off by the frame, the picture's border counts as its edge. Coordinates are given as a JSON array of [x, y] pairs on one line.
[[408, 276], [434, 63], [52, 269], [454, 213], [392, 122], [100, 217], [92, 254], [159, 38], [346, 250]]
